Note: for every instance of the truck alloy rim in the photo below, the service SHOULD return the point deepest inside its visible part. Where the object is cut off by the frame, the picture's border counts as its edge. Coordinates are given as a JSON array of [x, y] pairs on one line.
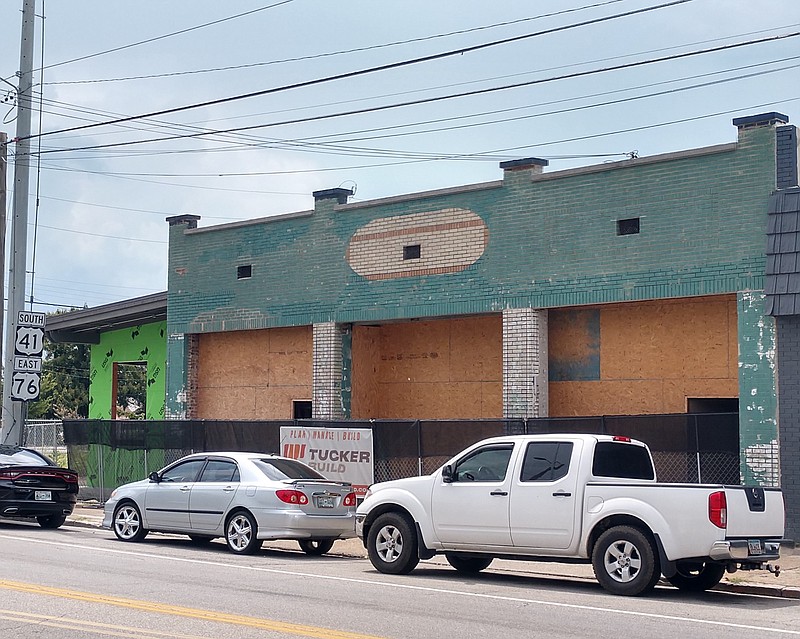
[[622, 561], [389, 543]]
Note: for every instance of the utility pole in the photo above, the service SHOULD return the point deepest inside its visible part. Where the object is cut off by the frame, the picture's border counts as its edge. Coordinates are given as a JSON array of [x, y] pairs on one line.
[[3, 202], [14, 410]]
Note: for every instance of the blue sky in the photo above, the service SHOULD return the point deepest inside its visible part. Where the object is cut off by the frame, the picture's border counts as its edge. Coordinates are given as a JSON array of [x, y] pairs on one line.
[[101, 234]]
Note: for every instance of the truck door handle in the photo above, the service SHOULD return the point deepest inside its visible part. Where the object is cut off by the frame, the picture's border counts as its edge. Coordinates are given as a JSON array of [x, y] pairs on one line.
[[561, 493], [185, 489], [500, 493]]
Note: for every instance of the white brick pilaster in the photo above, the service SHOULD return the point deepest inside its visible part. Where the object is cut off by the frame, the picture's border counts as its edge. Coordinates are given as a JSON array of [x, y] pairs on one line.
[[525, 363], [327, 372]]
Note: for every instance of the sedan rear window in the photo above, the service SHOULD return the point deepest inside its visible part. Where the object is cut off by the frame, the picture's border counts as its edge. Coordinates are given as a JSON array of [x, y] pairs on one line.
[[10, 456], [280, 469]]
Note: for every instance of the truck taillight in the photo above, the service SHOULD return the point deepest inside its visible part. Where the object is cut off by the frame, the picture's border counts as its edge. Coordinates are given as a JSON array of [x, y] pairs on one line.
[[718, 509], [349, 500], [292, 497], [622, 438]]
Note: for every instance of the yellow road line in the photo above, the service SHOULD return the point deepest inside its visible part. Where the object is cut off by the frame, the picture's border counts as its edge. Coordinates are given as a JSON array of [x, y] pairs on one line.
[[181, 611], [107, 629]]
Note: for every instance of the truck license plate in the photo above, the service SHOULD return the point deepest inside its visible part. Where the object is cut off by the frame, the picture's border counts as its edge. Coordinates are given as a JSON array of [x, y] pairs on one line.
[[325, 502], [754, 546], [42, 495]]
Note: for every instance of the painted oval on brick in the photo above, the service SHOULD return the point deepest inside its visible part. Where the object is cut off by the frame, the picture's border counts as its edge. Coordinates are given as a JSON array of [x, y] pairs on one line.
[[449, 241]]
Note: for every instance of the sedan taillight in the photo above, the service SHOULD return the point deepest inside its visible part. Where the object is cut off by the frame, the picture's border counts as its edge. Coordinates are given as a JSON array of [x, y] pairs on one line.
[[292, 497], [349, 500], [8, 474]]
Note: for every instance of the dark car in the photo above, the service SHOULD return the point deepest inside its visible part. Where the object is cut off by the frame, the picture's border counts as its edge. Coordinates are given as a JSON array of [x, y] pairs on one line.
[[32, 486]]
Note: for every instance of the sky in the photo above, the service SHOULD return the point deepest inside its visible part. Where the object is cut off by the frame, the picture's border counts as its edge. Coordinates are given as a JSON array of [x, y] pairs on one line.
[[97, 231]]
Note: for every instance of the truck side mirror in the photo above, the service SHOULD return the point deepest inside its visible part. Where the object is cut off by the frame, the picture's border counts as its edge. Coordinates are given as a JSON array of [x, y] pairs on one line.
[[447, 474], [154, 477]]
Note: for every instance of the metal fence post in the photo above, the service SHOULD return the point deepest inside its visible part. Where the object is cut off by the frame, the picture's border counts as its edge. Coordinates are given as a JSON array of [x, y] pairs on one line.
[[419, 448]]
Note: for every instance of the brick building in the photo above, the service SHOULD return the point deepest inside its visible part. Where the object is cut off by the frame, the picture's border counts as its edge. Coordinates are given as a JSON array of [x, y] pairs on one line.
[[635, 287]]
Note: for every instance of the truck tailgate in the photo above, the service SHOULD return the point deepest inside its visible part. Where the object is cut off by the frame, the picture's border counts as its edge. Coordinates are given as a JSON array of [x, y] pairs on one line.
[[754, 512]]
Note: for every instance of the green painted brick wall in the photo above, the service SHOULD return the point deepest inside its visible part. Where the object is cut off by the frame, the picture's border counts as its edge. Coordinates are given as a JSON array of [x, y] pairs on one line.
[[552, 243]]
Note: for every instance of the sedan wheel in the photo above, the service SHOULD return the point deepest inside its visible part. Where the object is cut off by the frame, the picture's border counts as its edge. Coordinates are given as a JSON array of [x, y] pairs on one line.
[[52, 521], [127, 522], [315, 546], [241, 532]]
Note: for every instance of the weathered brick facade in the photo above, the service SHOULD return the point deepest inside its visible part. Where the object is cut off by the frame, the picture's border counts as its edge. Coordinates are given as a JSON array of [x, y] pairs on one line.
[[677, 226]]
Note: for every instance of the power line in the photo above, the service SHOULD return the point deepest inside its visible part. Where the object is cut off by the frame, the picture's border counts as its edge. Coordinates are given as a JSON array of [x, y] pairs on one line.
[[341, 52], [250, 138], [475, 92], [323, 147], [165, 36], [360, 72]]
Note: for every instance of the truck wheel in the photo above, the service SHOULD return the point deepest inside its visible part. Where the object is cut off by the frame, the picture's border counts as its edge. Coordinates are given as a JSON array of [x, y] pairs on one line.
[[467, 565], [392, 544], [625, 561], [697, 576]]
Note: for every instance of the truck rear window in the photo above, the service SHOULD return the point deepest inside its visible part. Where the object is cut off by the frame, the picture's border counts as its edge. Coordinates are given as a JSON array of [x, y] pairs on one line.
[[617, 459]]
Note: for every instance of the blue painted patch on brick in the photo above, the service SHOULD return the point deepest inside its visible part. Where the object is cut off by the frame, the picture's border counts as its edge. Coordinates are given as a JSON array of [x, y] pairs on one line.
[[579, 360]]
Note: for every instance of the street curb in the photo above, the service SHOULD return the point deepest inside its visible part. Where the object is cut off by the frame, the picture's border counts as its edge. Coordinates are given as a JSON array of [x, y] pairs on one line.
[[786, 592]]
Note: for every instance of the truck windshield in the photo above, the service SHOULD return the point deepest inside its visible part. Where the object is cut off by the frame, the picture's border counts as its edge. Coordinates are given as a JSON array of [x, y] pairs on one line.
[[617, 459]]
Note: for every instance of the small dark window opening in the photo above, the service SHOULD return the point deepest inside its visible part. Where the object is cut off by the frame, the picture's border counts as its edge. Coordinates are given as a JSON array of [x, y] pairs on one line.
[[628, 227], [301, 409], [411, 252], [243, 272]]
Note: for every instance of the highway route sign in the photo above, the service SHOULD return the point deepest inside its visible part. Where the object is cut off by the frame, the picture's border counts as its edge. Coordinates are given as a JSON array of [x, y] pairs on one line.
[[25, 386]]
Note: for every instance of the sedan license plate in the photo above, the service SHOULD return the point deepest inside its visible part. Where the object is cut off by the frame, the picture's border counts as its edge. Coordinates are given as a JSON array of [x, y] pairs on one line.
[[754, 546], [325, 502], [42, 495]]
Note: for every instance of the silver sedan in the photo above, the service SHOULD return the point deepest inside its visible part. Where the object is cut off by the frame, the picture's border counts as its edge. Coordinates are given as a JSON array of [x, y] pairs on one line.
[[243, 497]]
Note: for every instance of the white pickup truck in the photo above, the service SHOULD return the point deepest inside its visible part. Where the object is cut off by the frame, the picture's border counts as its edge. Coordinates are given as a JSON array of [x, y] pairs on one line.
[[572, 498]]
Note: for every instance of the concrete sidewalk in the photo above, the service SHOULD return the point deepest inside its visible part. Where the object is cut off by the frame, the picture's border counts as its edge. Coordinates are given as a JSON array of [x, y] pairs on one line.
[[760, 582]]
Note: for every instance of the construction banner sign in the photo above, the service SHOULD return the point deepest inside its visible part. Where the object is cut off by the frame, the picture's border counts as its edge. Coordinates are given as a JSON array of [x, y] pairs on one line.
[[341, 454]]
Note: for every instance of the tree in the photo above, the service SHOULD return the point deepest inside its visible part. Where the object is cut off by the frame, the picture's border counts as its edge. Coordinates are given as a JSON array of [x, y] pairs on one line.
[[64, 389]]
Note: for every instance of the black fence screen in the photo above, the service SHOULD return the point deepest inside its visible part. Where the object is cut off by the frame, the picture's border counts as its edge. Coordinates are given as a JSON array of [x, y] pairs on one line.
[[686, 447]]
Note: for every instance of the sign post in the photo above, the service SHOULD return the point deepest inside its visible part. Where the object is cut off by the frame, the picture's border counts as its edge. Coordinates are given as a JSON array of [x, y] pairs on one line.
[[28, 347]]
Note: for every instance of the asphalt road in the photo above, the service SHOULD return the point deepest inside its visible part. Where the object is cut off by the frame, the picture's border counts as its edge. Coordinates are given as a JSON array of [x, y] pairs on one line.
[[82, 582]]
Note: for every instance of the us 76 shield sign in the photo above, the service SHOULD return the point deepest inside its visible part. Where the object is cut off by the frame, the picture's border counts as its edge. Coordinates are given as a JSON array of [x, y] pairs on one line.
[[25, 386]]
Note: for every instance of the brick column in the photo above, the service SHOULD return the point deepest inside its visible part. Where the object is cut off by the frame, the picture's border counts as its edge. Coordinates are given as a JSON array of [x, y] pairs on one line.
[[525, 362], [327, 374]]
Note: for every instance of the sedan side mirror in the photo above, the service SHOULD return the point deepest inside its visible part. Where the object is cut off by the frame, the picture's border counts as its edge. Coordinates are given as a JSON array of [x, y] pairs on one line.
[[447, 474], [154, 477]]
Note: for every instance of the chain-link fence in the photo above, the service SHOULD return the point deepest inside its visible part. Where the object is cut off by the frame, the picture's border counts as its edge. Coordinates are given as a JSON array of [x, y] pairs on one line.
[[686, 448], [46, 436]]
